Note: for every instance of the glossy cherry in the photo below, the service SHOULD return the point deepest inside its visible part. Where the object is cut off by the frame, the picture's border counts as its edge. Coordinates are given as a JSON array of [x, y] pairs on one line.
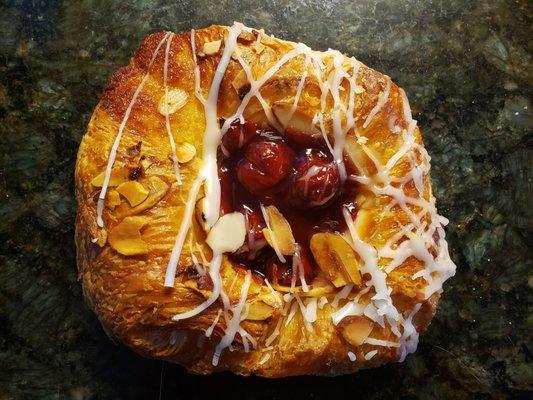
[[315, 180], [264, 165], [238, 135], [256, 224]]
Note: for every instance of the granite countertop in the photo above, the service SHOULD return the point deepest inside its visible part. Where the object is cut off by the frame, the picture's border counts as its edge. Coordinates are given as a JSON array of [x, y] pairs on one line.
[[467, 68]]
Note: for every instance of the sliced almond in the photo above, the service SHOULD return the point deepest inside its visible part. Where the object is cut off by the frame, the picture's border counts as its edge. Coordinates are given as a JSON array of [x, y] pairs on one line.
[[157, 189], [335, 258], [240, 84], [118, 175], [259, 311], [281, 230], [358, 89], [246, 37], [299, 121], [172, 101], [126, 236], [113, 199], [211, 48], [356, 329], [146, 163], [258, 47], [185, 152], [133, 191], [228, 233]]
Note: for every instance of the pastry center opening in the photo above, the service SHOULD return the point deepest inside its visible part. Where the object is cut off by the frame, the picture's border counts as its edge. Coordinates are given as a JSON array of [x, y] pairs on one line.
[[263, 171]]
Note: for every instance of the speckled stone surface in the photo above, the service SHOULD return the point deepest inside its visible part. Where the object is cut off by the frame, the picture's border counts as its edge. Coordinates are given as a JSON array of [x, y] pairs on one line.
[[467, 68]]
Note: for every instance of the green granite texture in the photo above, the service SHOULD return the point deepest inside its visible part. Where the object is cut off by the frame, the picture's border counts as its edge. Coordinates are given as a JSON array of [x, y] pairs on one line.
[[467, 68]]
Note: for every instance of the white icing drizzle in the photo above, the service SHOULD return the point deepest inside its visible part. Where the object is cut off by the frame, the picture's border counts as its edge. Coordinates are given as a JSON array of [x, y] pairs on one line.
[[322, 302], [340, 135], [197, 266], [275, 294], [352, 356], [345, 291], [246, 337], [299, 89], [275, 333], [175, 163], [182, 233], [350, 308], [212, 134], [197, 89], [116, 143], [308, 316], [210, 330], [409, 339], [292, 312], [297, 265], [234, 323], [310, 310], [264, 359], [369, 255], [383, 97], [379, 342], [214, 269], [370, 354]]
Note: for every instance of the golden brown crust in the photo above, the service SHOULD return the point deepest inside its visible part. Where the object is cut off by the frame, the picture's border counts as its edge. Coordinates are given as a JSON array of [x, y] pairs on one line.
[[127, 292]]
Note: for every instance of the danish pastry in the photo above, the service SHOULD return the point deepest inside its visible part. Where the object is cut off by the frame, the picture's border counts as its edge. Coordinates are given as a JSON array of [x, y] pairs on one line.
[[248, 204]]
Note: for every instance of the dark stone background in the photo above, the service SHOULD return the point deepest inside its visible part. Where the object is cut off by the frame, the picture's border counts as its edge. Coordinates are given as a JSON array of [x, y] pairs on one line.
[[467, 68]]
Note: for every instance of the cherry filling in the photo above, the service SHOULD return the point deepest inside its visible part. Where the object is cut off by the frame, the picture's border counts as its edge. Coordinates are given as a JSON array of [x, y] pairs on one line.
[[297, 176], [265, 164]]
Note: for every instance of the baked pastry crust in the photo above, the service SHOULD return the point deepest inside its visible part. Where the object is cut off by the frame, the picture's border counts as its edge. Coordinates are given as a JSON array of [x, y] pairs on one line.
[[128, 292]]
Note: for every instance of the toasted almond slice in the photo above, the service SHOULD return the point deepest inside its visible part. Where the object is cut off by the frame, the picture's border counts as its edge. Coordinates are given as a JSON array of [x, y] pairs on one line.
[[118, 175], [240, 84], [157, 190], [299, 121], [259, 311], [185, 152], [335, 258], [281, 230], [228, 233], [356, 329], [258, 47], [126, 237], [211, 48], [172, 101], [358, 89], [113, 199], [146, 163], [133, 191], [245, 37]]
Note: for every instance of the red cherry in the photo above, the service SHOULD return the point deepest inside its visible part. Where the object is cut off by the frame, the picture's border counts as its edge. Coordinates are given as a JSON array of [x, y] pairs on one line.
[[238, 135], [265, 164], [315, 180], [256, 224]]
